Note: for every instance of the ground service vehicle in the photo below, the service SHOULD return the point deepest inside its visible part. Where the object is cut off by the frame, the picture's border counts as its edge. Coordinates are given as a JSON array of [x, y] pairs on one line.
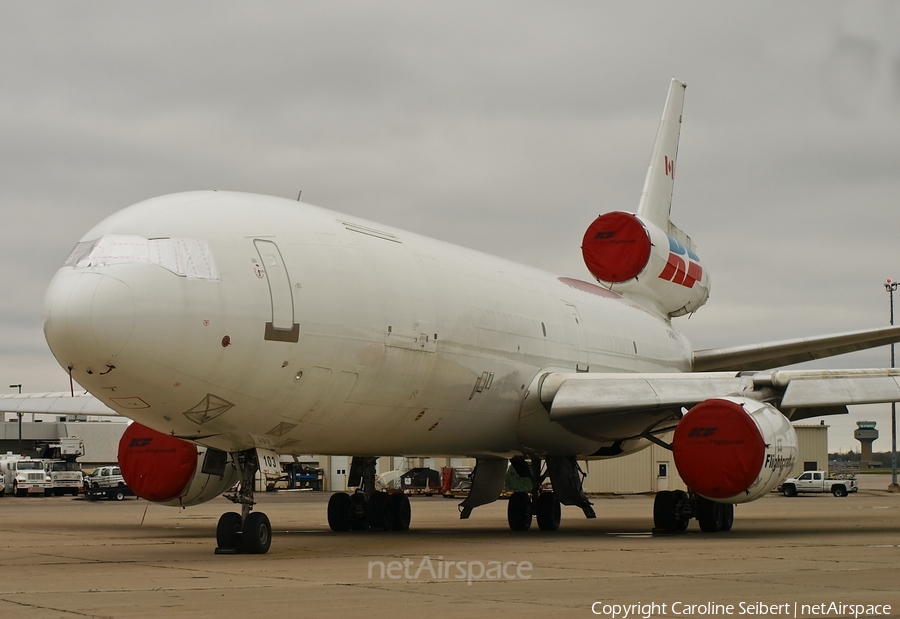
[[61, 465], [65, 477], [818, 481], [106, 481], [24, 476]]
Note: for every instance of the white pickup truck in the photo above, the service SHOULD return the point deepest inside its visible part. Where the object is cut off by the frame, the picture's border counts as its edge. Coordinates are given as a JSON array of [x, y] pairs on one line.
[[818, 481]]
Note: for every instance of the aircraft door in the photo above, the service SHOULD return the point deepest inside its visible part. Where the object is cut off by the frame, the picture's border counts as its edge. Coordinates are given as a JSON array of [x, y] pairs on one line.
[[580, 343], [282, 327]]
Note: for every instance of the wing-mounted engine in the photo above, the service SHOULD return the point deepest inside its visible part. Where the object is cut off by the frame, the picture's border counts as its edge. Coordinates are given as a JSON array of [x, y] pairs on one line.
[[170, 471], [638, 259], [734, 450]]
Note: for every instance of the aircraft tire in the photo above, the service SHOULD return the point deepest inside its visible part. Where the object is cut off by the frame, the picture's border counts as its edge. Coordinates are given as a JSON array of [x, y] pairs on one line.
[[664, 512], [380, 511], [402, 511], [256, 535], [681, 523], [518, 511], [710, 515], [358, 519], [340, 511], [228, 530], [548, 511], [727, 517]]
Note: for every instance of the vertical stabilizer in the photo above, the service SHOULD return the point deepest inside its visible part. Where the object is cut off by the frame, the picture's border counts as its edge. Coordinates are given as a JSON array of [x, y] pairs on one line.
[[656, 199]]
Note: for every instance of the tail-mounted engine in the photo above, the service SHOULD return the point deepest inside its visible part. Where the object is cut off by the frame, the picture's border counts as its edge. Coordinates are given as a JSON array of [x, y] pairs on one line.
[[734, 450], [170, 471], [641, 260]]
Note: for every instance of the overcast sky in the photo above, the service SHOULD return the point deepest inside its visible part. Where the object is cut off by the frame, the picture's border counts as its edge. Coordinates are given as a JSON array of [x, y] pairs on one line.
[[503, 126]]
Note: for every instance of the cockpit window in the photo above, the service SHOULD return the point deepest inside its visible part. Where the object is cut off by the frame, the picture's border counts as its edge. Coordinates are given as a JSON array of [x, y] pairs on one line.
[[190, 258]]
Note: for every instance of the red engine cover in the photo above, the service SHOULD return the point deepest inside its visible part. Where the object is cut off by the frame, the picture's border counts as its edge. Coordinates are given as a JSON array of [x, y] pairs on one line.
[[718, 449], [616, 247], [155, 466]]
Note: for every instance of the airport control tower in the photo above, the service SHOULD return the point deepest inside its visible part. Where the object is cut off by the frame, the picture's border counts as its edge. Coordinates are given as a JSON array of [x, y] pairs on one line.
[[866, 434]]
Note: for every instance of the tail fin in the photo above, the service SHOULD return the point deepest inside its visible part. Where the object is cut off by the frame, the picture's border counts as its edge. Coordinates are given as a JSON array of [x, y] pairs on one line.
[[646, 256], [656, 199]]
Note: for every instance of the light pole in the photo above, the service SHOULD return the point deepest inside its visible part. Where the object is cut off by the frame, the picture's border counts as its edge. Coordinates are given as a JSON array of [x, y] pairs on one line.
[[890, 286], [19, 415]]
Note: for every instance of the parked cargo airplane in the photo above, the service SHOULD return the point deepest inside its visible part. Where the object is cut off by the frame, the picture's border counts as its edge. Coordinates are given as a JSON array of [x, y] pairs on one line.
[[236, 327]]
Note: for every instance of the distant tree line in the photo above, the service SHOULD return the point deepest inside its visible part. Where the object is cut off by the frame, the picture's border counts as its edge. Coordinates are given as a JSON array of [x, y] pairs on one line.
[[853, 456]]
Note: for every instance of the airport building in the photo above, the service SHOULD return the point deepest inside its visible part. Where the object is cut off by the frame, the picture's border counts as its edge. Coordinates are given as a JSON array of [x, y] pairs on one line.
[[101, 438]]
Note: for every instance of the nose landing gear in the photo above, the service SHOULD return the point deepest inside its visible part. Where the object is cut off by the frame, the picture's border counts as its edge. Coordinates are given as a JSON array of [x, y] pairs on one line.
[[248, 532]]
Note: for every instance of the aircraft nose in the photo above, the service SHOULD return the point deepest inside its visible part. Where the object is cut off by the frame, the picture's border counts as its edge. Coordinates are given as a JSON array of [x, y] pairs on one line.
[[88, 318]]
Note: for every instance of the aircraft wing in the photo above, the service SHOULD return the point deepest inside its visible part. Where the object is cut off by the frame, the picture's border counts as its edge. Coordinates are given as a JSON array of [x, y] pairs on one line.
[[787, 352], [55, 403], [799, 394]]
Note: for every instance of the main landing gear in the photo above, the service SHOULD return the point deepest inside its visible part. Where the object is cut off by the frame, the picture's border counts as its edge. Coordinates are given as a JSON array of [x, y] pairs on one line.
[[248, 531], [367, 509], [566, 478], [673, 510]]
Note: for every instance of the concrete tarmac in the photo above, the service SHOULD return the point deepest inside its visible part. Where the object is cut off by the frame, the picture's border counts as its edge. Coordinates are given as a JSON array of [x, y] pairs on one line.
[[64, 557]]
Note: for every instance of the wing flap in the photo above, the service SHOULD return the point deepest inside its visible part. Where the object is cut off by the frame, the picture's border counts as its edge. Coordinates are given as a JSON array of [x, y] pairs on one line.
[[806, 393], [578, 397]]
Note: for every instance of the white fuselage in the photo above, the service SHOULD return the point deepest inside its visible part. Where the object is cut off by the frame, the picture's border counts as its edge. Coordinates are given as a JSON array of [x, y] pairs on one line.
[[379, 341]]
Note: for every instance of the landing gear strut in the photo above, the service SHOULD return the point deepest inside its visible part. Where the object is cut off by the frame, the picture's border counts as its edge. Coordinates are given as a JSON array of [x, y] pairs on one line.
[[566, 478], [248, 531], [367, 509], [673, 510]]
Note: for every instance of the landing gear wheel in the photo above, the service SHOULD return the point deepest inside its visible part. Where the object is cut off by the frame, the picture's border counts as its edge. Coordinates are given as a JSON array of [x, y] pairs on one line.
[[710, 515], [664, 512], [518, 511], [549, 512], [228, 531], [727, 517], [358, 520], [340, 512], [681, 499], [256, 535], [402, 512], [380, 511]]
